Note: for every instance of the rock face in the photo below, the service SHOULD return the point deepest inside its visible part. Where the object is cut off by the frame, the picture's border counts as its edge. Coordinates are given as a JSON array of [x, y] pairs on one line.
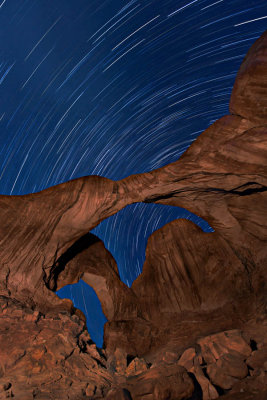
[[194, 323], [249, 97]]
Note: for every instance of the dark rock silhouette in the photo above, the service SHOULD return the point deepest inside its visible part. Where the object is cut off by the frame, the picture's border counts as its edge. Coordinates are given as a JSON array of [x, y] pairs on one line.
[[200, 301]]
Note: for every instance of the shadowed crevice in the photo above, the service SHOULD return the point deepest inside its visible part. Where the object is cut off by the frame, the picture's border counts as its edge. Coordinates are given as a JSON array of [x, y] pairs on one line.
[[197, 394], [83, 243], [245, 190]]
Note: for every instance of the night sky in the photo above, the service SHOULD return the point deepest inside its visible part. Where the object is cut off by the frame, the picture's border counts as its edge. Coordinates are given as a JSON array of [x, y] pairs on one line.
[[114, 88]]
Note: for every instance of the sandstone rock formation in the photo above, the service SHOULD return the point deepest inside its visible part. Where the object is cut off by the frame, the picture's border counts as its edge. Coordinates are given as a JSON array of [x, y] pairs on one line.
[[197, 313]]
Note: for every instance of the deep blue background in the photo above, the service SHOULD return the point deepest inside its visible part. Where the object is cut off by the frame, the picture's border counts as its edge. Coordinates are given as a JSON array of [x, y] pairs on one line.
[[114, 88]]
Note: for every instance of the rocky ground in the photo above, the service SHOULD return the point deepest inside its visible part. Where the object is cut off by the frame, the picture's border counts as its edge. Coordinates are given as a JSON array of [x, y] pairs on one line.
[[53, 357]]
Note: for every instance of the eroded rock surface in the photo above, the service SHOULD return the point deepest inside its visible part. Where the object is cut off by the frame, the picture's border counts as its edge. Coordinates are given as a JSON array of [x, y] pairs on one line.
[[193, 325], [48, 357]]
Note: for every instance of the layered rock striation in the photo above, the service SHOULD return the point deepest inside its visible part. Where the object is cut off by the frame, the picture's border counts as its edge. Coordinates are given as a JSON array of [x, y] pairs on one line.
[[194, 324]]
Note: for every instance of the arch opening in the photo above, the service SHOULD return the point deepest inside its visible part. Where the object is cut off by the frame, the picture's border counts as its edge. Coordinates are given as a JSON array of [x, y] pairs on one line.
[[85, 298], [84, 275], [126, 239]]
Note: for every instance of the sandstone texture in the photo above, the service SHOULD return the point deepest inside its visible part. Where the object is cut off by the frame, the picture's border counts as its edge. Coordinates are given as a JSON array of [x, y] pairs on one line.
[[193, 325]]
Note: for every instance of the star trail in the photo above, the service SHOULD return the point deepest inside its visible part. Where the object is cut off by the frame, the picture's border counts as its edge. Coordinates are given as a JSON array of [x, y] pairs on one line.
[[114, 88]]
